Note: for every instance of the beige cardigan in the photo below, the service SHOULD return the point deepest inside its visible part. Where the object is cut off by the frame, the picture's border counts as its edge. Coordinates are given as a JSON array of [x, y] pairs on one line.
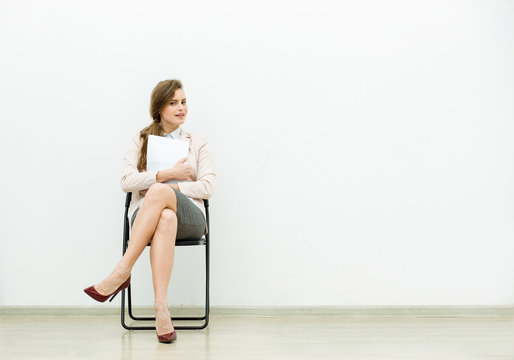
[[198, 187]]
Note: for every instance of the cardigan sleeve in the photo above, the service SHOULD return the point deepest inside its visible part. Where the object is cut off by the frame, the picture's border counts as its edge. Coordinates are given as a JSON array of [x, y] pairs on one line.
[[131, 179], [203, 187]]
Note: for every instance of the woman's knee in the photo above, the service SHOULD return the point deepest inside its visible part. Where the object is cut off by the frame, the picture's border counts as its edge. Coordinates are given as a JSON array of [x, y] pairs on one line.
[[168, 219], [158, 191]]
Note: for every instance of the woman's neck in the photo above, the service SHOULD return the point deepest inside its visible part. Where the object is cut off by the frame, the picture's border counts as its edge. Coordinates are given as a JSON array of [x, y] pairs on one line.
[[168, 129]]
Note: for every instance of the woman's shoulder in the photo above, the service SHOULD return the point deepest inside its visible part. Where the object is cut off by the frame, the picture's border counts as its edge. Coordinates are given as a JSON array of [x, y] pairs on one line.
[[195, 138], [136, 138], [136, 135]]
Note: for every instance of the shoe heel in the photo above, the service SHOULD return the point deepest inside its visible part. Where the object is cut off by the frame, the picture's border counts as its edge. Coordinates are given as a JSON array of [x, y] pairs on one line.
[[112, 297], [99, 297]]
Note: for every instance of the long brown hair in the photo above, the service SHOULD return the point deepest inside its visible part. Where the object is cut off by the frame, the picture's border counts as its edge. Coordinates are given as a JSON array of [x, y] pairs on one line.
[[161, 94]]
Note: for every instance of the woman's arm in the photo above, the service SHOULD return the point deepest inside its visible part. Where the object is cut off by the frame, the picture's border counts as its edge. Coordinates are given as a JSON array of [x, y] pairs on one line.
[[203, 187], [131, 178], [173, 172]]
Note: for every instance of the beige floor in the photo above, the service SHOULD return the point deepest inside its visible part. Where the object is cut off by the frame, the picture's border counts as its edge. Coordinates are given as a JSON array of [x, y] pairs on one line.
[[101, 337]]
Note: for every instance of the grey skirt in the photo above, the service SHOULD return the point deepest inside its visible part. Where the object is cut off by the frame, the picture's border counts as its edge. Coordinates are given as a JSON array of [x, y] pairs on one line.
[[191, 222]]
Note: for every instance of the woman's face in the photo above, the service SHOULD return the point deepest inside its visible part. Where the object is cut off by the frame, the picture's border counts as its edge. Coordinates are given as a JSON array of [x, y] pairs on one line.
[[174, 112]]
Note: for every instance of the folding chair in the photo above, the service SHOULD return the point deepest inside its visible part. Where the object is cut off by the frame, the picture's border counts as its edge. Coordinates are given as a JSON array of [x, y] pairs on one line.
[[203, 241]]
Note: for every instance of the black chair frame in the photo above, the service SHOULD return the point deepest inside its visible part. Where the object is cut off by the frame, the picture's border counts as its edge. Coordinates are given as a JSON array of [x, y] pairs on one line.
[[203, 241]]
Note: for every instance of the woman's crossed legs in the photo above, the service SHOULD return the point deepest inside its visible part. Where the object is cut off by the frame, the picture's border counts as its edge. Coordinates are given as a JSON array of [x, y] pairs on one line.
[[156, 220]]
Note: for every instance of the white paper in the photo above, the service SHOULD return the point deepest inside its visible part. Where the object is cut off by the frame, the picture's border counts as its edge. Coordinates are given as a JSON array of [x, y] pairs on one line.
[[163, 153]]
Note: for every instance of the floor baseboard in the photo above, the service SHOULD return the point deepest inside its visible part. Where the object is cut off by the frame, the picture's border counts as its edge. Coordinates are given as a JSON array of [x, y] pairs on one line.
[[285, 311]]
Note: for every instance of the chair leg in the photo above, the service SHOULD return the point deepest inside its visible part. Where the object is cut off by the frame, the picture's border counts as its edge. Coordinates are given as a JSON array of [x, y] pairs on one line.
[[136, 318], [130, 314], [206, 316], [123, 310]]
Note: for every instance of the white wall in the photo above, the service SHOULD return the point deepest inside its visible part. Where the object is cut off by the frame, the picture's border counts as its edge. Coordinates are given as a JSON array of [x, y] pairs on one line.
[[363, 149]]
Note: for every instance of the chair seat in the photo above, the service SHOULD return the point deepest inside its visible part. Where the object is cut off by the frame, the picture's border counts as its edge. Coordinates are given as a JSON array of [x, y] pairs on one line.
[[190, 242], [187, 242]]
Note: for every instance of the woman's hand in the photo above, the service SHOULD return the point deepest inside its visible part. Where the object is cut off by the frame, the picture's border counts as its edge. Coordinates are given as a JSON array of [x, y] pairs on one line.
[[180, 170]]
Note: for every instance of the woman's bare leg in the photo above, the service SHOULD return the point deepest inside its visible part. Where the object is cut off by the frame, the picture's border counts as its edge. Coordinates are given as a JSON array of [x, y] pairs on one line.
[[159, 197], [162, 252]]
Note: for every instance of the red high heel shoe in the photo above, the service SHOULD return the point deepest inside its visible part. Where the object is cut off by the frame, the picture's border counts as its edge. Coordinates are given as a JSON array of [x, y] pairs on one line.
[[99, 297], [167, 338]]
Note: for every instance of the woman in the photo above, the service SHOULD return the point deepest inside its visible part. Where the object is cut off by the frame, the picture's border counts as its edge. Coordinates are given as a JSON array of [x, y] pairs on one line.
[[169, 211]]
